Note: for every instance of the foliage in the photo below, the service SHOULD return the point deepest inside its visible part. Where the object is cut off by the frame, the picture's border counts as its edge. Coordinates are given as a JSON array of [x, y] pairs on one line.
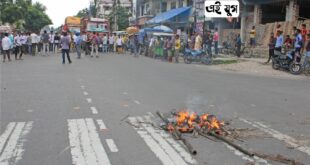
[[36, 19], [122, 17], [82, 13], [11, 13], [23, 14]]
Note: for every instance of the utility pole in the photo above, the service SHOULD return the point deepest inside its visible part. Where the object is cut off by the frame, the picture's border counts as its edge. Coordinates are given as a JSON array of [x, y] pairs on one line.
[[115, 15]]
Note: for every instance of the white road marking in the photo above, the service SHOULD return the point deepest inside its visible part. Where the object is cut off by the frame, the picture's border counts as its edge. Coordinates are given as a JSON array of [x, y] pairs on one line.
[[112, 145], [82, 86], [86, 147], [6, 134], [278, 135], [85, 93], [151, 143], [89, 100], [101, 124], [255, 159], [137, 102], [94, 110], [177, 146], [12, 142], [174, 156]]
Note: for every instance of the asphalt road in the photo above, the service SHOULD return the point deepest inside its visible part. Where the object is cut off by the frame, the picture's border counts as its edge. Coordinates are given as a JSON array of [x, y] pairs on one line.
[[98, 111]]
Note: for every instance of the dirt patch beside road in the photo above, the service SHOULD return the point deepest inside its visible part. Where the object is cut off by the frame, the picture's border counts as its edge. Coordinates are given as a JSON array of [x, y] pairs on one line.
[[255, 67]]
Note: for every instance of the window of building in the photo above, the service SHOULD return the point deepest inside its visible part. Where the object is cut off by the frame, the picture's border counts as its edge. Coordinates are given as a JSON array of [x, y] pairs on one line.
[[146, 9], [164, 7], [190, 3], [180, 3], [173, 5]]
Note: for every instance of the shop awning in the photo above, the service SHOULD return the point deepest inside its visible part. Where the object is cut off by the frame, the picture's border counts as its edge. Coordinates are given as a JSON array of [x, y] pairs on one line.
[[172, 16], [253, 2]]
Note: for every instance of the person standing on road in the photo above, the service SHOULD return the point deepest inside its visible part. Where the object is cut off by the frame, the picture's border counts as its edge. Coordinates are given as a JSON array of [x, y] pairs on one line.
[[23, 41], [208, 41], [56, 42], [238, 45], [298, 44], [271, 46], [177, 48], [94, 45], [34, 43], [304, 33], [29, 43], [119, 43], [17, 45], [252, 37], [307, 54], [45, 40], [133, 45], [198, 42], [105, 43], [111, 43], [78, 43], [6, 46], [52, 42], [216, 38], [279, 41], [65, 47]]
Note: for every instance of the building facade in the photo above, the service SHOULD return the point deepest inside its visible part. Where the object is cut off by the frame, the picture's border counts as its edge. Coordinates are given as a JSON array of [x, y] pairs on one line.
[[147, 9], [105, 7]]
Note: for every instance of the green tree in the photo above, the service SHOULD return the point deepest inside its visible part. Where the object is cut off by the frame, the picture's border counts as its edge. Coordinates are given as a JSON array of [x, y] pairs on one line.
[[83, 13], [23, 14], [122, 15], [35, 19], [11, 13]]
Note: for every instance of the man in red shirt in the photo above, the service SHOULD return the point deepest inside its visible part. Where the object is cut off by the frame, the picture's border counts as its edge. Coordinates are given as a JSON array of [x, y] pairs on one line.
[[216, 41], [304, 33]]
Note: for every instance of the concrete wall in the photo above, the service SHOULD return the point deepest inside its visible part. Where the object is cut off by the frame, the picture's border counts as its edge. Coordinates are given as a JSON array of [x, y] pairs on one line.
[[263, 32]]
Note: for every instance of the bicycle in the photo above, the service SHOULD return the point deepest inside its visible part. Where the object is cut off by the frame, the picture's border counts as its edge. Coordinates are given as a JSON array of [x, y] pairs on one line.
[[246, 51]]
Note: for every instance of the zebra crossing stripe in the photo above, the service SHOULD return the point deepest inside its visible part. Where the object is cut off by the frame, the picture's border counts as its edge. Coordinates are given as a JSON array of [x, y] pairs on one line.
[[12, 142], [112, 145], [86, 147], [152, 144], [280, 136], [177, 146]]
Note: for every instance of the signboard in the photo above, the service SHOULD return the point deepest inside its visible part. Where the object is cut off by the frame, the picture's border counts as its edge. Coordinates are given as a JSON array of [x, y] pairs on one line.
[[222, 9]]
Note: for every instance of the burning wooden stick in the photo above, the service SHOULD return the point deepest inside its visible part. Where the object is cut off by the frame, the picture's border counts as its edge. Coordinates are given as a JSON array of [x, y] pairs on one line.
[[175, 132]]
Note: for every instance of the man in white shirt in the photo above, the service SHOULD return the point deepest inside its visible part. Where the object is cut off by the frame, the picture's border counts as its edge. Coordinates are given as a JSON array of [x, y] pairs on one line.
[[18, 46], [23, 41], [6, 44], [39, 43], [105, 43], [34, 43], [52, 44]]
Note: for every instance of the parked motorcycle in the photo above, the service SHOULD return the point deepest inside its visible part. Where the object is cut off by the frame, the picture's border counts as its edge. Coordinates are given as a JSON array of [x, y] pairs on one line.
[[287, 62], [191, 55]]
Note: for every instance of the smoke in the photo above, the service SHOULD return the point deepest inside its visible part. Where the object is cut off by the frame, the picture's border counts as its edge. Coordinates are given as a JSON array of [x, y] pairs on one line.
[[196, 103]]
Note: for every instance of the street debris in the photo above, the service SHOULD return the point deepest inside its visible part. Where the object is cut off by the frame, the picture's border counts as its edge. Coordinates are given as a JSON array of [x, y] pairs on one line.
[[210, 127], [204, 124], [278, 158]]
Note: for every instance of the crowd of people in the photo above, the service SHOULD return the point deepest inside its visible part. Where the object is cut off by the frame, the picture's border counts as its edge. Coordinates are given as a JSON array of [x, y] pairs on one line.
[[298, 40], [21, 43], [166, 47]]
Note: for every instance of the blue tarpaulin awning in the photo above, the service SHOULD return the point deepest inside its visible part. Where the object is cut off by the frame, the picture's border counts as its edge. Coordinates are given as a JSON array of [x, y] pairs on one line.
[[164, 28], [252, 2], [174, 15]]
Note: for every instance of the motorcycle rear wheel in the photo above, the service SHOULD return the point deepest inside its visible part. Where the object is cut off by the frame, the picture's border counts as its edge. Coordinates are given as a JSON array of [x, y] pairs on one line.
[[187, 60], [275, 66], [295, 69]]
